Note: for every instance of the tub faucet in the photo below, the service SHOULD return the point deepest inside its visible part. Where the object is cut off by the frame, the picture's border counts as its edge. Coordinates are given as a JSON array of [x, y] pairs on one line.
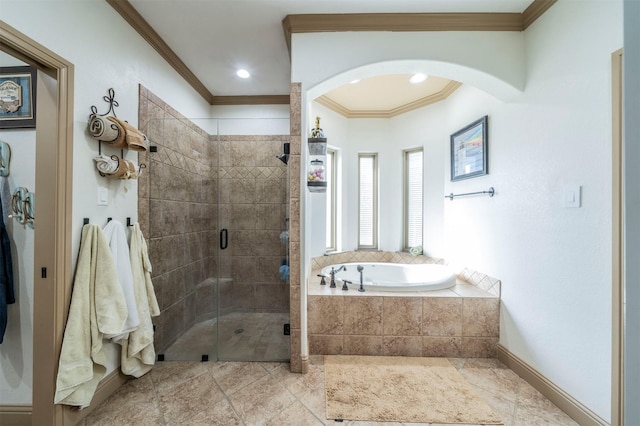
[[360, 268], [333, 275]]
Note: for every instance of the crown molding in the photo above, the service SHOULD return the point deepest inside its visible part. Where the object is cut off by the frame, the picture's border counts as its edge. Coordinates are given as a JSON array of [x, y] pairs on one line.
[[534, 11], [251, 100], [138, 23], [443, 94], [305, 23]]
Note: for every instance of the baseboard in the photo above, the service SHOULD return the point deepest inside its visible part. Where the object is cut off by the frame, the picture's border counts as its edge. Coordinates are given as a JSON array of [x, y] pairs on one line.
[[107, 386], [15, 415], [551, 391]]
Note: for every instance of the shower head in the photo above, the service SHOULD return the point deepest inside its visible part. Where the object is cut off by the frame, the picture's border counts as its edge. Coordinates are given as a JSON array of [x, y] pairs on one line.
[[283, 157]]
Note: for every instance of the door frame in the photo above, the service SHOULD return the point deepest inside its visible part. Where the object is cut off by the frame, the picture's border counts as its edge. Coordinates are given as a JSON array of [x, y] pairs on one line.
[[617, 331], [52, 233]]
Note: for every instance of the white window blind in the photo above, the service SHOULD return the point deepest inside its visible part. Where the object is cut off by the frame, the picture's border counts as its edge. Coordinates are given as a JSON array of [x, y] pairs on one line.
[[331, 173], [368, 201], [413, 207]]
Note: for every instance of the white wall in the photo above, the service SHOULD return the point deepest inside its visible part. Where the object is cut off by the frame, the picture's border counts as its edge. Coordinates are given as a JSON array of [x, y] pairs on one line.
[[107, 53], [247, 120], [388, 138], [555, 262], [632, 220]]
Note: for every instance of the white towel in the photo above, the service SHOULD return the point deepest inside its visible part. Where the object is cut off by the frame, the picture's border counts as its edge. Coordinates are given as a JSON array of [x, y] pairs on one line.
[[117, 238], [138, 355], [106, 165], [97, 307]]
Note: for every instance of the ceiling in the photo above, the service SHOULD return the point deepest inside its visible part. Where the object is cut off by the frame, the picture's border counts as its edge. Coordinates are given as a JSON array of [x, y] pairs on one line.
[[214, 38]]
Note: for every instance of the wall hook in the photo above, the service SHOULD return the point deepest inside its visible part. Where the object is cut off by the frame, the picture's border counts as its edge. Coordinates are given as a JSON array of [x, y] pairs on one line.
[[110, 98]]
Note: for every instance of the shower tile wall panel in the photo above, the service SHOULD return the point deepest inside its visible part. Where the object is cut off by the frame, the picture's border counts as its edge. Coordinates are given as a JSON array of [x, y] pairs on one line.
[[253, 207], [176, 199]]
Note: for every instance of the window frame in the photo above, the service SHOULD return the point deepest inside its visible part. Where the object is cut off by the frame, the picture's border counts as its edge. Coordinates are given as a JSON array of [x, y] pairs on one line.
[[405, 201], [375, 207], [331, 231]]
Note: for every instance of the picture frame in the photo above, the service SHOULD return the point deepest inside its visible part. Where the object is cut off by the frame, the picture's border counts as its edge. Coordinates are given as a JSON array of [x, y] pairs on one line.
[[17, 97], [470, 150]]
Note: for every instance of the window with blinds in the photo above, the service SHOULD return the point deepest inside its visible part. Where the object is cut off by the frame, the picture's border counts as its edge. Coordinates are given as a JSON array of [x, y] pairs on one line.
[[367, 201], [413, 190], [331, 173]]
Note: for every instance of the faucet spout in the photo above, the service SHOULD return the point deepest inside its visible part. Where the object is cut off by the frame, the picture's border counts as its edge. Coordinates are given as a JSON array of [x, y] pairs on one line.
[[333, 273]]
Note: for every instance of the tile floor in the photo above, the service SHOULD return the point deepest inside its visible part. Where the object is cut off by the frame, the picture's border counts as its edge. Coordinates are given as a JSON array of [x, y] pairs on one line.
[[251, 393], [246, 336]]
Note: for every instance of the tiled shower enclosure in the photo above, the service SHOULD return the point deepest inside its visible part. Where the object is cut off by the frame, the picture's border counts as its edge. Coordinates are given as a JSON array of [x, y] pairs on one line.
[[196, 185]]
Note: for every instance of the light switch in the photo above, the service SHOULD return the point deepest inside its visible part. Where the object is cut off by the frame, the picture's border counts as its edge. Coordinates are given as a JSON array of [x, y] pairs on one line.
[[103, 196], [573, 196]]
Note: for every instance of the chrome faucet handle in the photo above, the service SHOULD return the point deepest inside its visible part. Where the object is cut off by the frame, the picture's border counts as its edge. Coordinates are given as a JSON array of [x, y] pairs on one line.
[[344, 285], [323, 281]]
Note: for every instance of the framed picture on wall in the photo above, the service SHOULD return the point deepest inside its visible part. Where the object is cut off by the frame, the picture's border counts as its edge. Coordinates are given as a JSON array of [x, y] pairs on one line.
[[17, 97], [469, 151]]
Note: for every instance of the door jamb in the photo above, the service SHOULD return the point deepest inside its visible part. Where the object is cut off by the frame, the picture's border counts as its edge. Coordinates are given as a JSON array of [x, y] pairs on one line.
[[617, 332], [52, 234]]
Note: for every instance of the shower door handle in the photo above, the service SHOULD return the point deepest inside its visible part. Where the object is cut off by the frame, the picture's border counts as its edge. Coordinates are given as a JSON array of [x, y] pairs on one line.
[[224, 238]]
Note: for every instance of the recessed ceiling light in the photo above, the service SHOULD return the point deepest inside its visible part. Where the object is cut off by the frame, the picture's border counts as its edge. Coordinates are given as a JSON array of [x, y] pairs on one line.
[[418, 78], [354, 81], [243, 74]]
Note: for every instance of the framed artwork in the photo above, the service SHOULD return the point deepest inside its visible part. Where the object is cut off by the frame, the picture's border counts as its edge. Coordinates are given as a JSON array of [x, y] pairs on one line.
[[17, 97], [469, 151]]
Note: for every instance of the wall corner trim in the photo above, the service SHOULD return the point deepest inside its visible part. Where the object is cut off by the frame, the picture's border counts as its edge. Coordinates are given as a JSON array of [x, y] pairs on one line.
[[576, 410], [16, 415]]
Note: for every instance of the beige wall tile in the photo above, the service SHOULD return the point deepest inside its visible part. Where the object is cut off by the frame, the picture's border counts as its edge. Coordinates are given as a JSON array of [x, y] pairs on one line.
[[479, 347], [272, 298], [363, 315], [244, 296], [325, 315], [441, 346], [326, 344], [402, 346], [243, 269], [481, 317], [362, 345], [442, 316], [295, 361], [402, 316], [294, 303]]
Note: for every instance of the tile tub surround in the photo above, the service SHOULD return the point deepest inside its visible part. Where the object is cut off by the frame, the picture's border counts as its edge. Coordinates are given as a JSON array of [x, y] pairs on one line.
[[463, 321]]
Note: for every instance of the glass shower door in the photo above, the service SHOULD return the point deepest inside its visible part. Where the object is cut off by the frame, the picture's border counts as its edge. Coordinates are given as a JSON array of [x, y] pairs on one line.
[[216, 198], [176, 195], [252, 261]]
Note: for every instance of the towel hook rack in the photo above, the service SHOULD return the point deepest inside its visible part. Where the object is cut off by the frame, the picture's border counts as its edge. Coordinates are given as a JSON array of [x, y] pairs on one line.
[[491, 192], [110, 98]]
